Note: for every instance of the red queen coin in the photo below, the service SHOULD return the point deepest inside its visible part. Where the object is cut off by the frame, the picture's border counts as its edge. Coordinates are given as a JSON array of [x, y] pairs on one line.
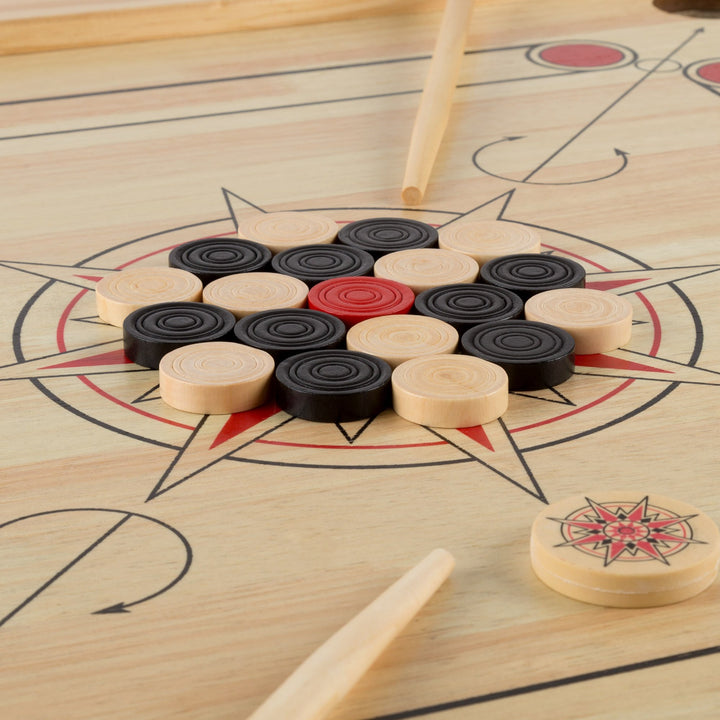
[[354, 299]]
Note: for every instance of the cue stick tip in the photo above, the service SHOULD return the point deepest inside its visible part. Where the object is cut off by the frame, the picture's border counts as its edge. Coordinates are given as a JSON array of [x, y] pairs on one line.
[[412, 195], [329, 673], [436, 99]]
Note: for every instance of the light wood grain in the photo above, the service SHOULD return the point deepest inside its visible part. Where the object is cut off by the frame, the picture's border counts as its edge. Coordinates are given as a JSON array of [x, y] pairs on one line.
[[598, 321], [485, 240], [426, 268], [397, 338], [215, 378], [284, 231], [112, 155], [246, 293], [449, 391], [118, 294], [27, 27]]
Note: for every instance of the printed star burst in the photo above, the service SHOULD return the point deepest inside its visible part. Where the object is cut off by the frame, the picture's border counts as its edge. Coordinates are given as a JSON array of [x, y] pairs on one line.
[[626, 532]]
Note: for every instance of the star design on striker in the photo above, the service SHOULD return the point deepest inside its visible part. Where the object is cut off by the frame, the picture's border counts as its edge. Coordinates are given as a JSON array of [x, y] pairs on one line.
[[616, 531]]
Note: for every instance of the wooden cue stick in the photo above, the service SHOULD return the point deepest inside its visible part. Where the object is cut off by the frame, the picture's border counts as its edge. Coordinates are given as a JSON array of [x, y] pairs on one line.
[[436, 99], [332, 670]]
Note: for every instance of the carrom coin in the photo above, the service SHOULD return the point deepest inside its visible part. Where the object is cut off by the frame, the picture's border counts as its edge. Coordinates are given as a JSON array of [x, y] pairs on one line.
[[625, 549]]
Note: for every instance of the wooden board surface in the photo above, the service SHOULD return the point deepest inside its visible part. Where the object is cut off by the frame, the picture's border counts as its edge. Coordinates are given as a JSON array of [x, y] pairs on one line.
[[223, 550], [28, 26]]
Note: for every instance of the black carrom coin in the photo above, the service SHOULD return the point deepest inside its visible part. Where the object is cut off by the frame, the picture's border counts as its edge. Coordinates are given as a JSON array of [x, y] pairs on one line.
[[152, 331], [464, 305], [383, 235], [288, 331], [534, 355], [333, 385], [532, 273], [213, 258], [315, 263]]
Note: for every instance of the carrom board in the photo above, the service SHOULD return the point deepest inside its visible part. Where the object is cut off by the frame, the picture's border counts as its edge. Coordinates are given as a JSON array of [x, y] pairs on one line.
[[157, 564]]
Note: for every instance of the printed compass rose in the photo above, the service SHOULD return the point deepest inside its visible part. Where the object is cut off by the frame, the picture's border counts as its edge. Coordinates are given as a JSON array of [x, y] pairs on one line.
[[622, 531], [82, 367]]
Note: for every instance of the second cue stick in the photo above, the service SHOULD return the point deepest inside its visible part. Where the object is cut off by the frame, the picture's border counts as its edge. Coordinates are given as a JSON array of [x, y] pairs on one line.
[[436, 100], [333, 669]]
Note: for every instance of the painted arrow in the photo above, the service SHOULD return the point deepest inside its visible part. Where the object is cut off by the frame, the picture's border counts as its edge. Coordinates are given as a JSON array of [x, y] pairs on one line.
[[125, 517], [526, 181]]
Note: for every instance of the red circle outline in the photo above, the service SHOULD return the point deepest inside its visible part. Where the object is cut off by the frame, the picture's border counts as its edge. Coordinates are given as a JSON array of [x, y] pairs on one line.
[[655, 320]]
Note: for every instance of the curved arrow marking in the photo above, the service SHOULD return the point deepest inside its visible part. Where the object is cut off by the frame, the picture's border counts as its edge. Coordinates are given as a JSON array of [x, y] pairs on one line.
[[647, 74], [526, 181], [125, 516]]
